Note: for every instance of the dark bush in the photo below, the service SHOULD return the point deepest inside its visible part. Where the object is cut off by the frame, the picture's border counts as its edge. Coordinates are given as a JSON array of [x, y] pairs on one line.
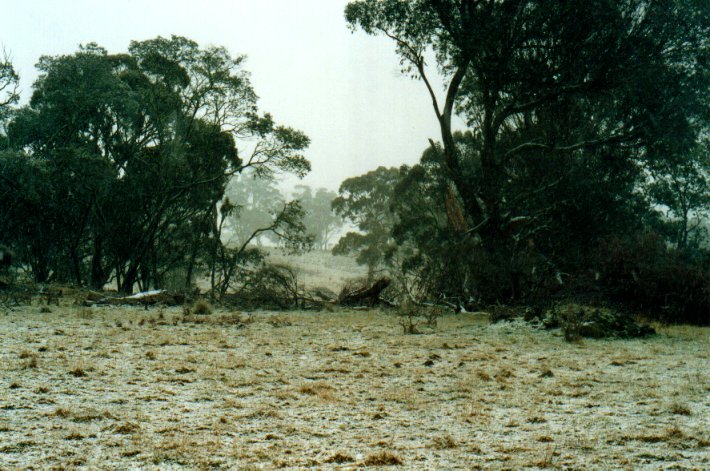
[[268, 287], [662, 282], [582, 321]]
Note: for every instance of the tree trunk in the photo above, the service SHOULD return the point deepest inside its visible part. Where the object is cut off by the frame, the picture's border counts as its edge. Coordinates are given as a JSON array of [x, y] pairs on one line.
[[98, 275], [76, 266], [129, 279]]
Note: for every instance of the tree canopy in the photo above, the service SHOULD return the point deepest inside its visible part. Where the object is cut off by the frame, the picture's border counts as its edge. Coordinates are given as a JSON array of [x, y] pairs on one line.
[[584, 122], [120, 161]]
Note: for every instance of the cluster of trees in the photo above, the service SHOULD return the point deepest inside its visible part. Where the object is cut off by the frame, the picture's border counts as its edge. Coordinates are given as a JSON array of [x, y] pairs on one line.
[[587, 132], [118, 168], [583, 167]]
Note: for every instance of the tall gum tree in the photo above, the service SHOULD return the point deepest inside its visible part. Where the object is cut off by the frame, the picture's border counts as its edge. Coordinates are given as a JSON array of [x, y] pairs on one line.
[[632, 72]]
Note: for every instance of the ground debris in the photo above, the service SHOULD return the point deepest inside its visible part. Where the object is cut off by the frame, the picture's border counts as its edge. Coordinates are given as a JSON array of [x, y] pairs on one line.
[[145, 298], [364, 294]]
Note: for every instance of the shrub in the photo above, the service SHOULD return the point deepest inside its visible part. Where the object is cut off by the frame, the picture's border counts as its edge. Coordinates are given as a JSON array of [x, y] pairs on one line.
[[411, 316], [577, 321], [268, 287], [383, 458], [664, 283]]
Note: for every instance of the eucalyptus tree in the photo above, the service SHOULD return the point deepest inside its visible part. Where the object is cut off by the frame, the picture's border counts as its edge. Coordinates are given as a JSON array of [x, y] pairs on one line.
[[9, 85], [167, 123], [365, 201], [320, 219], [600, 90]]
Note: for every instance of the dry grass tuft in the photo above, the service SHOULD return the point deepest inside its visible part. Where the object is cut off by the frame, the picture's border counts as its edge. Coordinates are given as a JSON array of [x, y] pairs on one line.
[[85, 313], [445, 442], [383, 458], [320, 389], [547, 373], [202, 307], [483, 376], [126, 428], [536, 419], [340, 458], [680, 409], [77, 372], [234, 318], [263, 413], [30, 362], [61, 412], [279, 321]]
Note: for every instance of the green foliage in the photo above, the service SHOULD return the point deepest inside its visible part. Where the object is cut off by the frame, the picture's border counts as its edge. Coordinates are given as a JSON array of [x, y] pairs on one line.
[[668, 284], [683, 189], [9, 96], [578, 129], [364, 201], [121, 162]]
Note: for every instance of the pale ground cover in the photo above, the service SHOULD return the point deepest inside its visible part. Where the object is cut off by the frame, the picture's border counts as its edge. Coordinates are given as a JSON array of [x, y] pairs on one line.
[[320, 268], [131, 388]]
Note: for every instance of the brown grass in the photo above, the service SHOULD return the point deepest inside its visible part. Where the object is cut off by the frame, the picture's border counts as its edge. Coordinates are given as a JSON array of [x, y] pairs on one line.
[[202, 307], [340, 458], [445, 442], [680, 409], [313, 395], [383, 458]]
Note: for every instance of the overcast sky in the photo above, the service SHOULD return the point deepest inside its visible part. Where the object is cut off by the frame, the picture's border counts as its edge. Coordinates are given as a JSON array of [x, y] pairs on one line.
[[343, 90]]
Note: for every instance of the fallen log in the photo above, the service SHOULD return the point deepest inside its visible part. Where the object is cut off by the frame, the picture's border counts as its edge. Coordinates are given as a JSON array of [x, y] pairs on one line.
[[145, 298], [368, 295]]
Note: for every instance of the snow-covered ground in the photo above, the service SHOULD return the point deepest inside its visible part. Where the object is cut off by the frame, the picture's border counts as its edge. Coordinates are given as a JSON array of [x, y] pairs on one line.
[[128, 388]]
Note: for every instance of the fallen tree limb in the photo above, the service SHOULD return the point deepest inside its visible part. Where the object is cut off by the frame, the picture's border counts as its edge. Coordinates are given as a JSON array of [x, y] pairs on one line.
[[368, 295], [145, 298]]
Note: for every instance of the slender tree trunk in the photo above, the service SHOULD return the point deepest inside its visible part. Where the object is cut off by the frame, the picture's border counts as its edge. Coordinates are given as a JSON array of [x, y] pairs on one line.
[[98, 276], [76, 266], [119, 275], [191, 263]]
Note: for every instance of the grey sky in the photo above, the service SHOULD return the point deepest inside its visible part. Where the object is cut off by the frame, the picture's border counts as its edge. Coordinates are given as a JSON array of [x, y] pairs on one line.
[[344, 90]]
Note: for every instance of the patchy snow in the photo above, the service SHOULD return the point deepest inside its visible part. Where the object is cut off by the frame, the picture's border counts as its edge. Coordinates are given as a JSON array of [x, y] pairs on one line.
[[121, 387], [146, 294]]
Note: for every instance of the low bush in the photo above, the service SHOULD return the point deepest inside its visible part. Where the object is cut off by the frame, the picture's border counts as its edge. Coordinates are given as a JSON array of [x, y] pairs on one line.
[[662, 282], [412, 316], [268, 287]]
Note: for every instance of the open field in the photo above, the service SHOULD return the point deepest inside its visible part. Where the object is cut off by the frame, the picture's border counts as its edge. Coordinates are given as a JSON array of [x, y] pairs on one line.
[[134, 388], [320, 268]]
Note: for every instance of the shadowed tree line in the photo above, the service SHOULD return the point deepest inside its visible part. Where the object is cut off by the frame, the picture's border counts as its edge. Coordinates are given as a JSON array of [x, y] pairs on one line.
[[583, 167]]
